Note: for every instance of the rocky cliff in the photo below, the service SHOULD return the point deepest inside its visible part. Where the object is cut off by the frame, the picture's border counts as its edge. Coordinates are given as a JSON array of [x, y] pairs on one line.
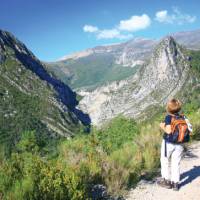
[[31, 98], [161, 77]]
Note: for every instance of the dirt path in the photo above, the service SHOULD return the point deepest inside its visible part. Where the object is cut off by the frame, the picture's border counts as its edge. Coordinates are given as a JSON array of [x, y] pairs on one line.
[[190, 181]]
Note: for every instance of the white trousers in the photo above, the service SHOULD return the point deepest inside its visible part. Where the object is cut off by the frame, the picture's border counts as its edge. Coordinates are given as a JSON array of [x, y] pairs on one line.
[[170, 164]]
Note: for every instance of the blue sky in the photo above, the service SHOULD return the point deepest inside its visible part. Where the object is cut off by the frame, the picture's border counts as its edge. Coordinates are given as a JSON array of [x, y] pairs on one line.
[[54, 28]]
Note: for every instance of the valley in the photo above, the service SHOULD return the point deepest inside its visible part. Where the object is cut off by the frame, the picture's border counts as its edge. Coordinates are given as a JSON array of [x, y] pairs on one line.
[[100, 138]]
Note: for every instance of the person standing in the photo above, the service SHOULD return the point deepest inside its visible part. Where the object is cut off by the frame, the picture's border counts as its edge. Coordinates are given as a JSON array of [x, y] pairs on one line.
[[177, 131]]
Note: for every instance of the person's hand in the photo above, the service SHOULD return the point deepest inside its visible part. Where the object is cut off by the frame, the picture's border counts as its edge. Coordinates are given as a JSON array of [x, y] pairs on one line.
[[162, 125]]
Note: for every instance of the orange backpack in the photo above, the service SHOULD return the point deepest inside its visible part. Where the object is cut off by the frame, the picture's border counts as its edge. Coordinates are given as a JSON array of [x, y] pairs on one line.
[[180, 132]]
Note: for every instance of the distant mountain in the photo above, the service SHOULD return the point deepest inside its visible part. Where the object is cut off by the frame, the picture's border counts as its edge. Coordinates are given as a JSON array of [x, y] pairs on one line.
[[31, 98], [166, 74], [189, 39], [96, 66], [102, 64], [128, 54], [91, 71]]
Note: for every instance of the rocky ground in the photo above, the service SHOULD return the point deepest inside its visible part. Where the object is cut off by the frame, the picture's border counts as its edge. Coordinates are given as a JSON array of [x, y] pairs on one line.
[[190, 181]]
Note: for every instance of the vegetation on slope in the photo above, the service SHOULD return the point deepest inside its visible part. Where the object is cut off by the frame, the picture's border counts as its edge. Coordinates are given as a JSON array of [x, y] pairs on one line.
[[24, 108], [91, 71], [195, 60], [80, 163], [117, 156], [30, 98]]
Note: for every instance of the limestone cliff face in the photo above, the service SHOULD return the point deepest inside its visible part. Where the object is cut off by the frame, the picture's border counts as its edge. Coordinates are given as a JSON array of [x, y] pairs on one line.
[[135, 52], [162, 76]]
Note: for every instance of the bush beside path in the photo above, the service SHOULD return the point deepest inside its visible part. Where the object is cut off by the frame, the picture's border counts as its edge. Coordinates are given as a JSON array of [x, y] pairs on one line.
[[190, 181]]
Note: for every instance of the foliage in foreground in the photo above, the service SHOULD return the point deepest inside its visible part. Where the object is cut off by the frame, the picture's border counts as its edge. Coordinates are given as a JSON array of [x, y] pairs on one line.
[[117, 156]]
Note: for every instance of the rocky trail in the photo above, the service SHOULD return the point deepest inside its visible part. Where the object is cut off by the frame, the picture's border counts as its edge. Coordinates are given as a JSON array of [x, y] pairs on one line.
[[189, 186]]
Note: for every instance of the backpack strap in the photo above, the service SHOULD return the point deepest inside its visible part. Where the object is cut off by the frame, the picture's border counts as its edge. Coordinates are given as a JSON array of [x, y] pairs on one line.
[[172, 122], [165, 148], [182, 130]]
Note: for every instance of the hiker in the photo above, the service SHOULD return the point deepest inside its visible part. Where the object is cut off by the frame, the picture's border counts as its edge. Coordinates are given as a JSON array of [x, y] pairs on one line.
[[177, 131]]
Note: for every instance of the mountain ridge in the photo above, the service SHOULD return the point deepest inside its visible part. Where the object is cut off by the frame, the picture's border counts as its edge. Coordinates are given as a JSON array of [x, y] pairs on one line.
[[162, 77], [175, 35], [31, 97], [125, 57]]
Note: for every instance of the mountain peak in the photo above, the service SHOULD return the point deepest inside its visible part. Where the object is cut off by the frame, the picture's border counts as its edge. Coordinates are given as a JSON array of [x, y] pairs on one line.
[[9, 40], [165, 73], [167, 49], [167, 41], [4, 33], [169, 38]]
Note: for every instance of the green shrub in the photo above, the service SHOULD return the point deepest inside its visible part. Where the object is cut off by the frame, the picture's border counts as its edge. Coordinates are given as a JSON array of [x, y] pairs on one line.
[[117, 156], [118, 132], [122, 168], [149, 141]]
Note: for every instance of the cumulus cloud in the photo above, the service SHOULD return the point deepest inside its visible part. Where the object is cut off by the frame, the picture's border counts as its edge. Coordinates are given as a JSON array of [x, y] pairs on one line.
[[162, 16], [123, 30], [177, 17], [135, 23], [106, 33], [111, 34], [90, 28]]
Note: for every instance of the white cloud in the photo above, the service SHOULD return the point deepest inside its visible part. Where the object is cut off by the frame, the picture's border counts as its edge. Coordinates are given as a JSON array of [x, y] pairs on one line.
[[123, 30], [108, 34], [181, 18], [135, 23], [111, 34], [162, 16], [177, 17], [90, 28]]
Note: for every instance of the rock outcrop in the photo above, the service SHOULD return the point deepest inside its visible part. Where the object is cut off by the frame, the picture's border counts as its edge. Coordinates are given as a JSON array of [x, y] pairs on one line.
[[163, 75]]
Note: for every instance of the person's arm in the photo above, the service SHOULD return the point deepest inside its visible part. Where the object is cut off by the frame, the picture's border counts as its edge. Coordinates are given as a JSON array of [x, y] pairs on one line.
[[166, 125], [166, 128]]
